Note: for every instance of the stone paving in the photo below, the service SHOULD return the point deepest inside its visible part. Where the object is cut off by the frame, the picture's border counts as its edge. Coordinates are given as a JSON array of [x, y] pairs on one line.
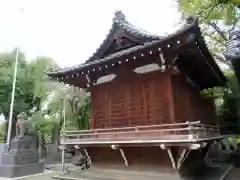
[[116, 174], [234, 174], [107, 174], [43, 176]]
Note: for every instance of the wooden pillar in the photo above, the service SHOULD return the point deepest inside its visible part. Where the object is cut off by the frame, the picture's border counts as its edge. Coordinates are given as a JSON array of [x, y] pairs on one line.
[[170, 98], [92, 122]]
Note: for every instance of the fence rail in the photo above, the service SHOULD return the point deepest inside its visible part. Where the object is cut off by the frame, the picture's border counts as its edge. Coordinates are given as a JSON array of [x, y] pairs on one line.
[[187, 130]]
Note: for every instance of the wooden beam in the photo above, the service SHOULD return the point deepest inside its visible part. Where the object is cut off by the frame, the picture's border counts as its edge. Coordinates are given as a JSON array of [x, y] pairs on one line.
[[171, 99]]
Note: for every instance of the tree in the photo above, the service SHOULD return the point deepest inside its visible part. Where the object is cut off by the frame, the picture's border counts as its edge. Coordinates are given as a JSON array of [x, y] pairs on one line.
[[31, 80], [217, 20], [41, 98], [77, 108]]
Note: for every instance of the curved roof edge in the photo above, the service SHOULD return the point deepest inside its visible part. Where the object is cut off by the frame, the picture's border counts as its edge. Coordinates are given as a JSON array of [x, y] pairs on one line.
[[120, 21], [191, 26]]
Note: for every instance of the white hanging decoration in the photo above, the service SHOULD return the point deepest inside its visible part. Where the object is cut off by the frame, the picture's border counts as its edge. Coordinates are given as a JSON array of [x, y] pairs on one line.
[[147, 68], [106, 78], [162, 58], [163, 68]]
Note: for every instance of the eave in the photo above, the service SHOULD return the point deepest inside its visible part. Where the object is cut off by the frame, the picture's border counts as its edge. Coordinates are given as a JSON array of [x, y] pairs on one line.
[[187, 38]]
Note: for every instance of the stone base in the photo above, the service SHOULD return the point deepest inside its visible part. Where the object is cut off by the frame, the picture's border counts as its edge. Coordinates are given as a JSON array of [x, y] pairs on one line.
[[11, 171], [17, 159]]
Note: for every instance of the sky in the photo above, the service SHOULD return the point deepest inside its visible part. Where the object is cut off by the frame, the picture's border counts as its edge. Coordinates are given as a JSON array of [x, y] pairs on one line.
[[69, 31]]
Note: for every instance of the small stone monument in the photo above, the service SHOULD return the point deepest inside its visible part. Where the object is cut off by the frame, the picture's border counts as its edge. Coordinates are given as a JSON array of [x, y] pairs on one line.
[[22, 157]]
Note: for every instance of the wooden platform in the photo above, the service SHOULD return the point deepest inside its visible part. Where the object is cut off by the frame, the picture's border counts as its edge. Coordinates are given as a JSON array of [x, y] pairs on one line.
[[188, 132]]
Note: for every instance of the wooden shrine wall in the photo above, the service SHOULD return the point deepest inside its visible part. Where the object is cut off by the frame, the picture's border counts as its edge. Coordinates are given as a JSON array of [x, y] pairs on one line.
[[131, 100], [189, 104]]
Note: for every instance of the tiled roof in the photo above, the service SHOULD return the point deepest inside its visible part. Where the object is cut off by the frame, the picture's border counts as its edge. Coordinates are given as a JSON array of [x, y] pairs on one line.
[[112, 56], [189, 34], [119, 21]]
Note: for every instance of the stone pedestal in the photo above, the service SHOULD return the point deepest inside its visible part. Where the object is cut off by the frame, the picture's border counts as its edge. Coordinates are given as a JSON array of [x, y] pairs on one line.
[[21, 159]]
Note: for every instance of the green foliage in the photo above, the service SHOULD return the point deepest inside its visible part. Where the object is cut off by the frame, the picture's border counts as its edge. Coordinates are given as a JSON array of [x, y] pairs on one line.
[[76, 103], [30, 80], [217, 19], [6, 78], [226, 97], [32, 84], [210, 10], [41, 98]]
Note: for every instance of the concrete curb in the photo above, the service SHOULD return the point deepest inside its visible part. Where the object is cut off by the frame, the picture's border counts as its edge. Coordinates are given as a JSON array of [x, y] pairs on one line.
[[23, 177], [224, 175]]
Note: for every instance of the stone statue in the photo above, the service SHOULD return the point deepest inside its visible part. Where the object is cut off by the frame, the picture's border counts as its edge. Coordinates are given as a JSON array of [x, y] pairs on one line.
[[23, 127], [79, 159], [232, 52], [21, 158]]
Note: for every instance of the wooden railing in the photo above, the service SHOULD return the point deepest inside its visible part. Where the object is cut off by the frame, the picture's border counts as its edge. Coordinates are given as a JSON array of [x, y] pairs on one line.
[[168, 132]]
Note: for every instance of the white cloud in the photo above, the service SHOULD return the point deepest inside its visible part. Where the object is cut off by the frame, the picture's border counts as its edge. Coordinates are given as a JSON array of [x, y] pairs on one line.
[[70, 30]]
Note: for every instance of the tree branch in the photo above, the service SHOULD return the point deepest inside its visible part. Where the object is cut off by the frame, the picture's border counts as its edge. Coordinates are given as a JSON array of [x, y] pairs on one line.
[[235, 23], [221, 59], [210, 11], [218, 30], [211, 37]]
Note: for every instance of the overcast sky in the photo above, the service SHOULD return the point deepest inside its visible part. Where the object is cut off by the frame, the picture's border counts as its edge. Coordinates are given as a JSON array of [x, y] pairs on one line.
[[70, 30]]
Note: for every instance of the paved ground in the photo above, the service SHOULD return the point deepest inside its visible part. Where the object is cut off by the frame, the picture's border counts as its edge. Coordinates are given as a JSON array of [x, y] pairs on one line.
[[234, 174], [41, 177], [116, 174], [107, 174]]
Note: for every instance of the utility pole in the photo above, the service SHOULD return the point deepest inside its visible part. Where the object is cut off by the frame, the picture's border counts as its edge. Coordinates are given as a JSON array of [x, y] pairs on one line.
[[13, 95]]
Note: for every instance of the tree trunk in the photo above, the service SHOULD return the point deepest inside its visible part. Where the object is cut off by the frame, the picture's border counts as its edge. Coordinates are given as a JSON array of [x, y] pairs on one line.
[[55, 133], [13, 130]]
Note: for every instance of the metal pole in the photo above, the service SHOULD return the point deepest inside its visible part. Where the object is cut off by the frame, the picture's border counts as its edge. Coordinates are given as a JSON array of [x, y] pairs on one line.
[[64, 126], [63, 163], [64, 116], [12, 98]]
